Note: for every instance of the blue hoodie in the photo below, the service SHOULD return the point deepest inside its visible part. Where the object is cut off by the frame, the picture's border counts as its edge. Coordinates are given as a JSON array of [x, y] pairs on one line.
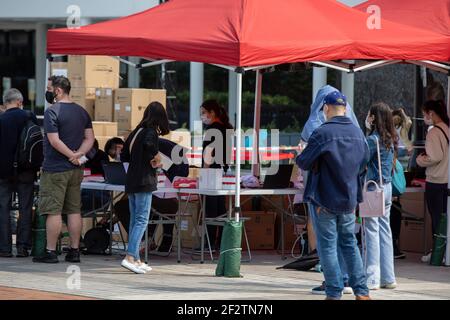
[[316, 118]]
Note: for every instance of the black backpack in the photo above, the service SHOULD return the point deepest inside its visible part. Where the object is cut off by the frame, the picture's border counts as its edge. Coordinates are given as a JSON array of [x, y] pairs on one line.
[[96, 240], [30, 153]]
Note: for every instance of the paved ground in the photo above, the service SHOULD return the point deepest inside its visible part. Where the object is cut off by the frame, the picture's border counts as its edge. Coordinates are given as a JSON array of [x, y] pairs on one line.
[[103, 278]]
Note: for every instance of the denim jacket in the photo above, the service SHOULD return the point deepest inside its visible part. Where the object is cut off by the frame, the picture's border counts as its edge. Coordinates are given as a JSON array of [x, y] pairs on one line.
[[387, 160], [336, 156]]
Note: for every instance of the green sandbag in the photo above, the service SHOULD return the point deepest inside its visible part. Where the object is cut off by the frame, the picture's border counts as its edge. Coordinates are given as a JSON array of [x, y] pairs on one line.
[[439, 242], [229, 264], [39, 235]]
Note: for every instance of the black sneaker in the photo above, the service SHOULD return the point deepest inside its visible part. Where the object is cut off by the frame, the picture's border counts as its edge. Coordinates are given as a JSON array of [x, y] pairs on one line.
[[73, 255], [398, 254], [22, 252], [48, 257]]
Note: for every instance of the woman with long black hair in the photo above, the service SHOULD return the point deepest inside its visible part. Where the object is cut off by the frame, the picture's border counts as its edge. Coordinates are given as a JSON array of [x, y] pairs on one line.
[[215, 149], [379, 252], [141, 152], [435, 160]]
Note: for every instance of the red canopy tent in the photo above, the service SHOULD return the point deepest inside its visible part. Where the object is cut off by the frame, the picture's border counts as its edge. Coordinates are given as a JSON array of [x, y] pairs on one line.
[[427, 15], [250, 35]]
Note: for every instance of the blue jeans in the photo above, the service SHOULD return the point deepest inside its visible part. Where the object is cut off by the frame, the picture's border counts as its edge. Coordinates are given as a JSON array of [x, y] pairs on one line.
[[378, 249], [140, 205], [335, 231], [313, 216]]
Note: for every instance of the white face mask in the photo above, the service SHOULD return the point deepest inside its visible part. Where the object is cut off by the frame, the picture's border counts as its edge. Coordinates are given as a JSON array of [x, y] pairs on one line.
[[207, 121], [368, 124], [428, 120]]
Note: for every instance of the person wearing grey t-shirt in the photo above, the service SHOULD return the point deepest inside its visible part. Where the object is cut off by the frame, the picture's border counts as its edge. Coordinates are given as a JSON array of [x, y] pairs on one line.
[[68, 137]]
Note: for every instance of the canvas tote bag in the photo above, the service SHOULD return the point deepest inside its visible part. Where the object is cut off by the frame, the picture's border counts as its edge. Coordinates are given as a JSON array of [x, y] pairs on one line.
[[373, 205]]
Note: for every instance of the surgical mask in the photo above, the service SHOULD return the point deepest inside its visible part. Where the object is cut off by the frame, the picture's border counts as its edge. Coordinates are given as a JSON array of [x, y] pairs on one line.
[[368, 124], [50, 97], [206, 120], [428, 121]]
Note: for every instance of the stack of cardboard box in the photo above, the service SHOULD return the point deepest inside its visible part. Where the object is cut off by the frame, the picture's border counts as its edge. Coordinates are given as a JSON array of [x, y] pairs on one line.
[[86, 74], [130, 105], [415, 236]]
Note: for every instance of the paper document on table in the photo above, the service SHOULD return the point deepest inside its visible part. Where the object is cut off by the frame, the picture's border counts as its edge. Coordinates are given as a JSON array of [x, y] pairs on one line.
[[165, 161]]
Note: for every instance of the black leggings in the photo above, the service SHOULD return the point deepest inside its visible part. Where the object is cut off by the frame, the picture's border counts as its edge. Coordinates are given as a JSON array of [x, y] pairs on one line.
[[214, 207], [436, 197]]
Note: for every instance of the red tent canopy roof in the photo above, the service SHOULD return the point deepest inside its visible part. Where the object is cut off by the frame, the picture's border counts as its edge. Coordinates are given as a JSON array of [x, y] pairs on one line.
[[250, 33], [433, 15]]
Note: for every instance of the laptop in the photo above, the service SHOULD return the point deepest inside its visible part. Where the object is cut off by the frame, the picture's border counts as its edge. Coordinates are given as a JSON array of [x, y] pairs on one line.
[[114, 173], [280, 180]]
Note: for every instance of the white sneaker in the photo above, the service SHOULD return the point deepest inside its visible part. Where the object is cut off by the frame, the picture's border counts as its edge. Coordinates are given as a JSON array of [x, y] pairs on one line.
[[389, 285], [427, 258], [373, 286], [347, 290], [145, 267], [132, 267]]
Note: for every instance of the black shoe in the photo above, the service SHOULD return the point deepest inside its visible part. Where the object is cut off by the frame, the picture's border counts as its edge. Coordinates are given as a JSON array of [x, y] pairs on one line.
[[397, 253], [22, 252], [6, 255], [73, 255], [48, 257]]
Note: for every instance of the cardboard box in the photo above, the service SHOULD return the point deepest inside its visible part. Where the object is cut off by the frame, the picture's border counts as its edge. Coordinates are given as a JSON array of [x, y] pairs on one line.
[[210, 179], [189, 229], [194, 172], [93, 71], [130, 105], [59, 69], [412, 236], [181, 137], [85, 97], [260, 230], [101, 128], [104, 104]]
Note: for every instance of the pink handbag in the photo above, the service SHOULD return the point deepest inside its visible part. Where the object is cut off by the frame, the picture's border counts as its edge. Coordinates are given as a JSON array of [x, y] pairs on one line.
[[373, 205]]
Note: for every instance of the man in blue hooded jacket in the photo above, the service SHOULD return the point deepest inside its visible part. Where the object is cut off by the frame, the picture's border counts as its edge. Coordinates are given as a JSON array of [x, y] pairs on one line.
[[335, 156], [315, 120]]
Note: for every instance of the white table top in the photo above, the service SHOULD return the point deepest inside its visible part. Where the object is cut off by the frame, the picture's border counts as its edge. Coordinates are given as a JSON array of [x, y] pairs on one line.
[[245, 192]]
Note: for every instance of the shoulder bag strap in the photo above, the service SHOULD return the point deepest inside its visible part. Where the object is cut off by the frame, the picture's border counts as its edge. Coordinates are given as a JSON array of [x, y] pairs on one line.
[[442, 130], [380, 173], [134, 139]]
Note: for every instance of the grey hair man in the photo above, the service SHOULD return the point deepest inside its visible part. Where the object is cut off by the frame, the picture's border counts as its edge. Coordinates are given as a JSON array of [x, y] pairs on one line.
[[12, 122]]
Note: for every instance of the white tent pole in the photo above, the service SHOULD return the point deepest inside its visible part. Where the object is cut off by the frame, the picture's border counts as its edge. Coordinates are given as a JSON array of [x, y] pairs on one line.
[[257, 123], [238, 142], [447, 251], [47, 75]]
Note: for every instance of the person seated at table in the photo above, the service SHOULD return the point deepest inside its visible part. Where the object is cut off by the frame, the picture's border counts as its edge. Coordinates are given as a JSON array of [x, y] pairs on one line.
[[113, 148], [165, 203], [403, 125], [94, 199], [97, 158], [216, 142]]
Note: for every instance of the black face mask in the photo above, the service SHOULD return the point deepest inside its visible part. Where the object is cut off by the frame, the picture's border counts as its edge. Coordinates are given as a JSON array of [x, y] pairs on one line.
[[50, 97]]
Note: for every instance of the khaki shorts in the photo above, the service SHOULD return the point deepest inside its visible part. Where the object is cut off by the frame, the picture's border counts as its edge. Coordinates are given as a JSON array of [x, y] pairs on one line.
[[60, 192]]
